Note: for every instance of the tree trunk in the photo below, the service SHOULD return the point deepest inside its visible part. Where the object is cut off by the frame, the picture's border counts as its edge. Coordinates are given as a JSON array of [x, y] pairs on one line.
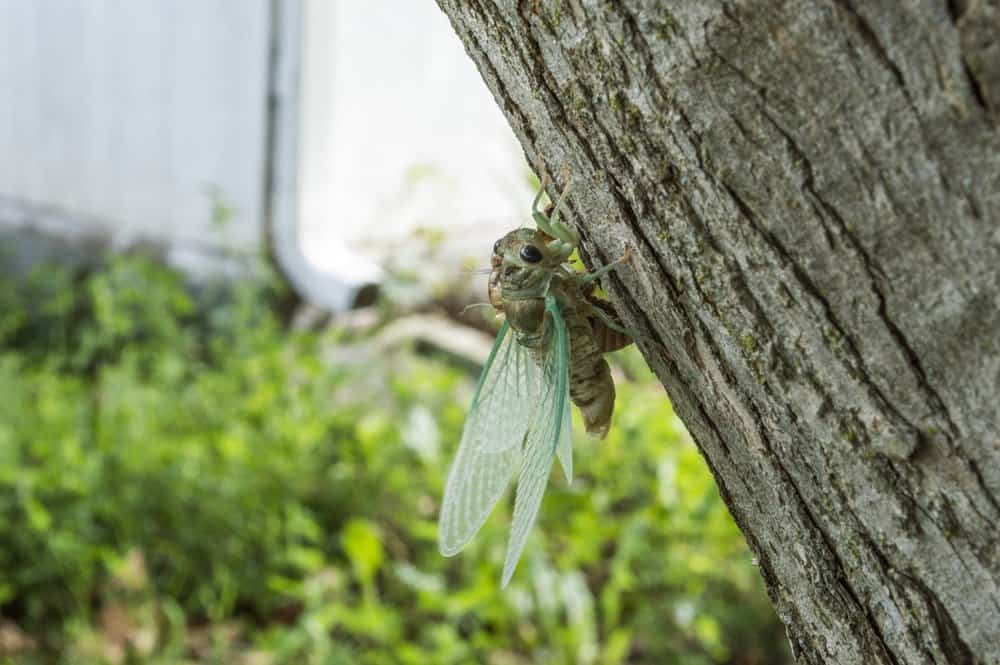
[[812, 191]]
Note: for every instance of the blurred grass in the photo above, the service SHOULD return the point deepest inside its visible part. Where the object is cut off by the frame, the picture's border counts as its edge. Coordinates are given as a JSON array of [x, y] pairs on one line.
[[187, 480]]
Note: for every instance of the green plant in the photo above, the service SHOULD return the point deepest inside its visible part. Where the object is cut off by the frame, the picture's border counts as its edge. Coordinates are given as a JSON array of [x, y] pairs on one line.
[[182, 480]]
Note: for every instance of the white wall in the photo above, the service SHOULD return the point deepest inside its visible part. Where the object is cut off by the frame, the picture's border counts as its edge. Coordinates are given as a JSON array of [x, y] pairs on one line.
[[127, 117], [123, 115], [400, 132]]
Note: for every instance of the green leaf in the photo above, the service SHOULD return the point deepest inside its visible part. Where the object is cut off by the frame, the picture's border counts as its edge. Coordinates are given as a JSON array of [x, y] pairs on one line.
[[38, 517], [616, 647], [363, 546]]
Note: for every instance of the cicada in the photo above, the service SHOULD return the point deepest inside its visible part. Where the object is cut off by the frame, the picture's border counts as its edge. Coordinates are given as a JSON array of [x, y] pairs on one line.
[[548, 352]]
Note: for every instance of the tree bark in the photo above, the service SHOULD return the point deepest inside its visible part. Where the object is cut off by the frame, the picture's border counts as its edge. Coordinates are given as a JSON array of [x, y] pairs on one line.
[[812, 191]]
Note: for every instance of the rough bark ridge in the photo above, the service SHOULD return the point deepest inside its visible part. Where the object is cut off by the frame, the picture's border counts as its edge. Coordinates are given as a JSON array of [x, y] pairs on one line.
[[813, 191]]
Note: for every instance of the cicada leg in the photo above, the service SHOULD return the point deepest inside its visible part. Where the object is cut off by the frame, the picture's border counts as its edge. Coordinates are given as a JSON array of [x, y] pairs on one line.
[[601, 272], [565, 236], [611, 322]]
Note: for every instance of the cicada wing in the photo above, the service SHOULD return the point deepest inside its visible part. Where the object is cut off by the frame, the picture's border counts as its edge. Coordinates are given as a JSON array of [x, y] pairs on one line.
[[564, 449], [490, 449], [547, 434]]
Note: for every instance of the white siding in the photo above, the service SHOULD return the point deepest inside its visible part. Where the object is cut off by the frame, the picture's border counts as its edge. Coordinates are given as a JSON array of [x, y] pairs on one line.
[[400, 133], [123, 114]]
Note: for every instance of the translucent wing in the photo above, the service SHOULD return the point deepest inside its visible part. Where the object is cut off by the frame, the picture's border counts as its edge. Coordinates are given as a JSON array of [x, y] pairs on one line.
[[564, 450], [548, 433], [506, 397]]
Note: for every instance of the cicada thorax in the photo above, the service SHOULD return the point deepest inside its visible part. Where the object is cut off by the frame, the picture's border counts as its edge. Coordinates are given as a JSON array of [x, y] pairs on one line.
[[526, 316]]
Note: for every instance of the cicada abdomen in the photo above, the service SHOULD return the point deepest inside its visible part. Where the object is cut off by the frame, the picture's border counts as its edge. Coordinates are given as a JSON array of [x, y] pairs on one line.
[[590, 384]]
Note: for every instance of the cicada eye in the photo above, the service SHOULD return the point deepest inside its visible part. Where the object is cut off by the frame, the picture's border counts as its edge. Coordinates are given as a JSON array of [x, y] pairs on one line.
[[496, 247], [531, 254]]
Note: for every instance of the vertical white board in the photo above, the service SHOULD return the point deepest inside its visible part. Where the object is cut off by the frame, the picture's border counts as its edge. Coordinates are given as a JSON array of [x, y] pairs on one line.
[[125, 117], [400, 133]]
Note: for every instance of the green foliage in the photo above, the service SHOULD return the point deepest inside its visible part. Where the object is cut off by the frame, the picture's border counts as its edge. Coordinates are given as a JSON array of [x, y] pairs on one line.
[[186, 482]]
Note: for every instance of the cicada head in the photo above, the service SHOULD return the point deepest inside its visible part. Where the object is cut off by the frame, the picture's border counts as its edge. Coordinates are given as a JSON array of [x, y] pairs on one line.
[[522, 269]]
